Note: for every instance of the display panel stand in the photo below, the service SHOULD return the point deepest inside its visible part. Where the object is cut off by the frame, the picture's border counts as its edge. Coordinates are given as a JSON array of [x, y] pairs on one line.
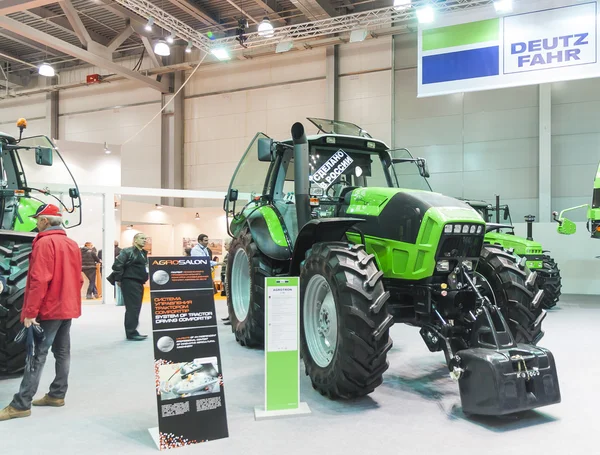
[[282, 350]]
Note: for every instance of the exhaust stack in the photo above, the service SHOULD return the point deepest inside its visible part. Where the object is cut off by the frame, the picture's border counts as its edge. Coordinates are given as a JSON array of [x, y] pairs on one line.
[[301, 182]]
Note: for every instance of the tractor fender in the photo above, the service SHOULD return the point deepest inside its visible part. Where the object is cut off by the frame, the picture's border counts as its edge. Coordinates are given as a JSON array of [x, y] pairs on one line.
[[320, 230], [266, 228]]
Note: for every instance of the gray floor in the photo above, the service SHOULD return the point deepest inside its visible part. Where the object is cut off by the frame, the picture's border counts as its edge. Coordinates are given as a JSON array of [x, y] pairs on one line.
[[111, 403]]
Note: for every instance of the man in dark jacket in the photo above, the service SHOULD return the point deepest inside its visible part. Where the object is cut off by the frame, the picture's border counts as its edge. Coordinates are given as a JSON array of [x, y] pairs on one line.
[[131, 272], [89, 259], [52, 299]]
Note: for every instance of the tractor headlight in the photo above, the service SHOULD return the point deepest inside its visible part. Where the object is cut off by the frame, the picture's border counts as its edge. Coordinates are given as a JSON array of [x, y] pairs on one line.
[[465, 229], [457, 228], [468, 265], [443, 266], [448, 229], [479, 229], [472, 229]]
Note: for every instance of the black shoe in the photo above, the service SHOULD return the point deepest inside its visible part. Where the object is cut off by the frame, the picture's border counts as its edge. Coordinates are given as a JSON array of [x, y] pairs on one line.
[[137, 337]]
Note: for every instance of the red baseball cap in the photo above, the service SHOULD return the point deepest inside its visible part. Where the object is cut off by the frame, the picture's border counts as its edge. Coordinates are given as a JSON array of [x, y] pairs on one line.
[[48, 210]]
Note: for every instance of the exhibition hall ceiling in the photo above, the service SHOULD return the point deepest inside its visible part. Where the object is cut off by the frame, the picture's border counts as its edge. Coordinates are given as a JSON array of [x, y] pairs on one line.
[[69, 33]]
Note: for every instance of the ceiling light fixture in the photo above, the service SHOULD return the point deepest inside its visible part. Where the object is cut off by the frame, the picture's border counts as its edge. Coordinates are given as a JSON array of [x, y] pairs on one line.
[[161, 48], [265, 28], [356, 36], [197, 216], [503, 6], [148, 26], [188, 49], [46, 70], [426, 15], [221, 53], [106, 149], [284, 46], [171, 38], [158, 206]]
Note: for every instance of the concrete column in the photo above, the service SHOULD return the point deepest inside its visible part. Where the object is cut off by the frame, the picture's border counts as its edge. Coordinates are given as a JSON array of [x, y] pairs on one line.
[[109, 235], [545, 153], [331, 78], [52, 109], [172, 122]]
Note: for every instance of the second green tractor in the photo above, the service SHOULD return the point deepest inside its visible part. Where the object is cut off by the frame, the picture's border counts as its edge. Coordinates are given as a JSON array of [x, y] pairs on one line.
[[374, 246]]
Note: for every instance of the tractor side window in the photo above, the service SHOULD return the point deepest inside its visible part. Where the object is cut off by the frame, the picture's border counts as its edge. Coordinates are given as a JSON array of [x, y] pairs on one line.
[[250, 177]]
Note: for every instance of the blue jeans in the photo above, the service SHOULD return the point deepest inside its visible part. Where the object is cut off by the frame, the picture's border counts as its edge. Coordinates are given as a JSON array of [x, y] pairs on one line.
[[58, 337]]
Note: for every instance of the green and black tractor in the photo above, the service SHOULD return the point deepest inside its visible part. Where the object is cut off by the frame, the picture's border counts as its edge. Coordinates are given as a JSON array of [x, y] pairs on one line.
[[32, 173], [500, 231], [568, 227], [345, 213]]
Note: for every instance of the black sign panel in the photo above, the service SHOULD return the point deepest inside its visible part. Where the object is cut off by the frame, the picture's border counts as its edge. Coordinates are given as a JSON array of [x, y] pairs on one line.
[[189, 377]]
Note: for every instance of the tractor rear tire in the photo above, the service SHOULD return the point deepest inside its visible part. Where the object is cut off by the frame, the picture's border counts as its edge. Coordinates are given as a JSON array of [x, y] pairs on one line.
[[341, 290], [247, 269], [511, 293], [550, 281], [14, 264]]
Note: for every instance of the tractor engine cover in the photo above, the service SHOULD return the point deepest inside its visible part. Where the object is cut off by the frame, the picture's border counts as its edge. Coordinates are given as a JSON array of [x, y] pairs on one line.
[[503, 381]]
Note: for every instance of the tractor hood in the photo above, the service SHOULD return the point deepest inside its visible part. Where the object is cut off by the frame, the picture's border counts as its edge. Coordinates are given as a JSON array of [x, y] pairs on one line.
[[521, 245], [376, 201]]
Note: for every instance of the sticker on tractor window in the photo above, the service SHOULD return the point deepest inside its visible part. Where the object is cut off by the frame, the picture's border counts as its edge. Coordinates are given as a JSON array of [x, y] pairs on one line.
[[330, 171]]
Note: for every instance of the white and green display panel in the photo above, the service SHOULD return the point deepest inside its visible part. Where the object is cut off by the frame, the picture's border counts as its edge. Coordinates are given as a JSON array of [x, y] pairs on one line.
[[282, 344], [534, 43]]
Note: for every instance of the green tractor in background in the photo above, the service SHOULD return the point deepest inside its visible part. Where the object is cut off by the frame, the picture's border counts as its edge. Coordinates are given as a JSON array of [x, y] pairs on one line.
[[373, 246], [536, 259], [568, 227], [26, 182]]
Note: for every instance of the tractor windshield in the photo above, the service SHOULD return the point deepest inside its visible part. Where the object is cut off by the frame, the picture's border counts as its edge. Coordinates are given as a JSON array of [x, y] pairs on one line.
[[407, 174], [49, 181]]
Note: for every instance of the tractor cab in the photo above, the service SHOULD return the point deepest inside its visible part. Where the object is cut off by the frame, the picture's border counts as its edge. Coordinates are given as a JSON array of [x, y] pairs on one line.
[[32, 173]]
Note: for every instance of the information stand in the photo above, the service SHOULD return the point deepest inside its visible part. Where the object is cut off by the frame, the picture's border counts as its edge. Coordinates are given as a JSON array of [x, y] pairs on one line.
[[282, 350], [187, 361]]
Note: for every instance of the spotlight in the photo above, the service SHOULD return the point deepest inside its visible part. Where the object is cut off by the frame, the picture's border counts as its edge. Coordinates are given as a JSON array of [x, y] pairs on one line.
[[356, 36], [158, 206], [425, 15], [503, 6], [188, 49], [284, 46], [46, 70], [221, 53], [162, 48], [197, 216], [106, 149], [148, 26], [265, 28], [171, 38]]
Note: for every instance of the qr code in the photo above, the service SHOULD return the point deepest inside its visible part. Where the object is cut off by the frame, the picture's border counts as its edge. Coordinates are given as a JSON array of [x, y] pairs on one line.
[[175, 409], [208, 403]]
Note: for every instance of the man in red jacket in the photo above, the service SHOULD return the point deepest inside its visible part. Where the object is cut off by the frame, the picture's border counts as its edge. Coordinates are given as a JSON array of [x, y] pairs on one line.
[[52, 299]]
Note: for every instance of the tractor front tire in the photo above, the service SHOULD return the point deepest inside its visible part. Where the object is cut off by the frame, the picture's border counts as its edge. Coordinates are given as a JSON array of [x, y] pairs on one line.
[[550, 281], [247, 269], [344, 320], [510, 291], [14, 264]]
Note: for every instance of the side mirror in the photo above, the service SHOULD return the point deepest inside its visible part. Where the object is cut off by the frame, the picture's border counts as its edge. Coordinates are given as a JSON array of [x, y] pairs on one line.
[[566, 227], [265, 149], [43, 156], [423, 169], [73, 193], [506, 213], [233, 195]]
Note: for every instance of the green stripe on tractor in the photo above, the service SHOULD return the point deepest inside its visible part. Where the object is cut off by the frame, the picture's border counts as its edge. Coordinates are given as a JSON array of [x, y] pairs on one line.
[[274, 225], [461, 35]]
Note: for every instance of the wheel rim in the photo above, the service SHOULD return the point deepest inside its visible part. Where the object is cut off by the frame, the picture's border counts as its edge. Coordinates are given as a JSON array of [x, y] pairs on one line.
[[320, 321], [486, 287], [240, 285]]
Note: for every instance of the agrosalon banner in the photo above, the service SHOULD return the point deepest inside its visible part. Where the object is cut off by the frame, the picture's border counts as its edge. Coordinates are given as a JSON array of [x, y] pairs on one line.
[[480, 50]]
